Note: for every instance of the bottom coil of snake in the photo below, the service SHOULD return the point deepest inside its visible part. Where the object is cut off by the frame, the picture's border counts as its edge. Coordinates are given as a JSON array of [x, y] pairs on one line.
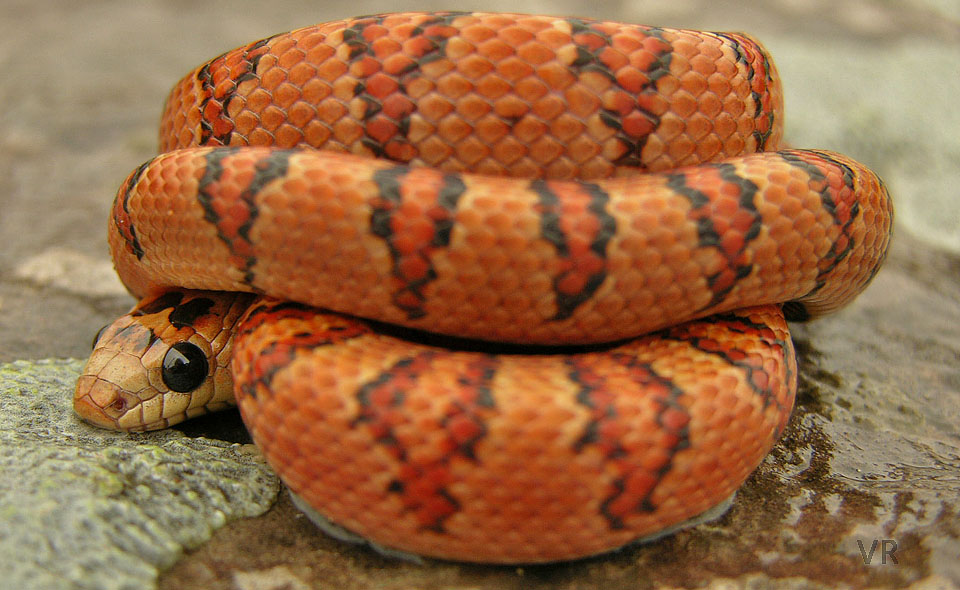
[[549, 369], [467, 450]]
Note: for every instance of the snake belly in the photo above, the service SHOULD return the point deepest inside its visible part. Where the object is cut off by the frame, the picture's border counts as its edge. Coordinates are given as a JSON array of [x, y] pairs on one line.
[[573, 244]]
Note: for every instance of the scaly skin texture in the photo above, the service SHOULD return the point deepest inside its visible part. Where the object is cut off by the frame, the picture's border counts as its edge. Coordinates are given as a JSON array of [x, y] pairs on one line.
[[516, 95], [554, 181], [513, 457], [500, 259], [463, 449]]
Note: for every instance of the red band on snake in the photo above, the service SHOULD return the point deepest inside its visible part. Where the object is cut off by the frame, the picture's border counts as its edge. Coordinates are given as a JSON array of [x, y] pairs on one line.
[[571, 242]]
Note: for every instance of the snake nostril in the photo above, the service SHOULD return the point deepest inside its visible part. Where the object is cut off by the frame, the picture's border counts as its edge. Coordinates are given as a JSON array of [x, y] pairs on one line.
[[119, 405]]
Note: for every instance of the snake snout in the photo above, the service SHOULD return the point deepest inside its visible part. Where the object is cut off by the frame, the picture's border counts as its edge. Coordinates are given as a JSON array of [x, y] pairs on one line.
[[100, 402], [112, 390]]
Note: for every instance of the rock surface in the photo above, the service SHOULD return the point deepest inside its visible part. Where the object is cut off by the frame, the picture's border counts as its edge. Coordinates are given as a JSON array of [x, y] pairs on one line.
[[872, 452], [85, 507]]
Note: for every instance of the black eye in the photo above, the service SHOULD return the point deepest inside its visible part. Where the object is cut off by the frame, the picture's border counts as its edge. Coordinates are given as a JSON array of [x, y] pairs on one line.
[[96, 338], [184, 367]]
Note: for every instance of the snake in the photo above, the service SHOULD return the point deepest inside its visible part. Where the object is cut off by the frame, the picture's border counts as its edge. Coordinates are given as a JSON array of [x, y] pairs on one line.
[[492, 288]]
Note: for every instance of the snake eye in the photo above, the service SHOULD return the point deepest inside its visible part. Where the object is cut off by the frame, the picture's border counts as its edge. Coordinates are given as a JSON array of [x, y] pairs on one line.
[[97, 336], [184, 367]]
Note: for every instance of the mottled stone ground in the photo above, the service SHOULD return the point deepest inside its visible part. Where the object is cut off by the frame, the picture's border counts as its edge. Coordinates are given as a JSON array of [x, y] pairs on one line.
[[872, 452]]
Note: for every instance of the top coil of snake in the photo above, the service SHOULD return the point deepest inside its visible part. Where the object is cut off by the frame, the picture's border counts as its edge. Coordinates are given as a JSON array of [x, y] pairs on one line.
[[525, 96]]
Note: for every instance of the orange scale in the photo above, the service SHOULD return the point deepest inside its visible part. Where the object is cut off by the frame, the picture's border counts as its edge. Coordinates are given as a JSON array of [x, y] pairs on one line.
[[347, 131], [535, 53], [272, 117], [488, 129], [477, 33], [288, 136], [418, 47], [435, 106], [472, 150], [300, 114], [552, 38], [290, 58], [454, 85], [637, 124], [545, 150], [531, 89], [493, 86], [510, 107]]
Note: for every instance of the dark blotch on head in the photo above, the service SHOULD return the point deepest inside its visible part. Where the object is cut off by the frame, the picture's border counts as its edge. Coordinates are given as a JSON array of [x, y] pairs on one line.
[[165, 301], [187, 314]]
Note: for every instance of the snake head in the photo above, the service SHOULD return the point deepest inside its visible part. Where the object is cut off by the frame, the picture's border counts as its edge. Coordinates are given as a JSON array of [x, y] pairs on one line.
[[165, 361]]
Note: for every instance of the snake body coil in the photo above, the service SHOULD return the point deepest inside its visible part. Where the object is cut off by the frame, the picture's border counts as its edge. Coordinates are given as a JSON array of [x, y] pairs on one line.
[[575, 239]]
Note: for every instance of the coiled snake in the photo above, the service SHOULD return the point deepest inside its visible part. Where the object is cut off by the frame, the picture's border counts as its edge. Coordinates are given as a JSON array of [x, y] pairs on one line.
[[573, 243]]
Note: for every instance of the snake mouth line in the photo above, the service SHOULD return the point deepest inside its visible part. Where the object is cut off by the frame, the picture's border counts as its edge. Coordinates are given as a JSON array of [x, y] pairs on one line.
[[91, 411], [107, 405]]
